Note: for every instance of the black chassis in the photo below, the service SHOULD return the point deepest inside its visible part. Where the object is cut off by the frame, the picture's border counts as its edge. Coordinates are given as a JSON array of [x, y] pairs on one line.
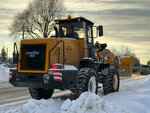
[[45, 80]]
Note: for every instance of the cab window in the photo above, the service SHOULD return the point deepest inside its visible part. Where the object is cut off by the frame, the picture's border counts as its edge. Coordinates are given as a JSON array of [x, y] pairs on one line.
[[71, 30], [89, 33]]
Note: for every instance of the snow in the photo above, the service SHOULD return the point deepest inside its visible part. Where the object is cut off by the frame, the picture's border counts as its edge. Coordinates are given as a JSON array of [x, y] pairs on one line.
[[86, 103], [70, 67], [70, 38], [88, 58], [4, 73], [133, 97], [38, 106], [66, 67], [89, 103], [124, 56]]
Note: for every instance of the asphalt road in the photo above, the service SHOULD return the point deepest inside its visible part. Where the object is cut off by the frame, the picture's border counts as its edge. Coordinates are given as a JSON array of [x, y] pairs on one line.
[[10, 95]]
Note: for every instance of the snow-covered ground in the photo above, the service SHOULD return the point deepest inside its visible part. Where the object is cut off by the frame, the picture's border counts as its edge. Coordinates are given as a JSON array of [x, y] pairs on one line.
[[4, 74], [133, 97]]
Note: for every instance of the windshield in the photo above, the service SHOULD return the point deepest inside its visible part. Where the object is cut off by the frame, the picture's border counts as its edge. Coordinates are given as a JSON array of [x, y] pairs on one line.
[[70, 30]]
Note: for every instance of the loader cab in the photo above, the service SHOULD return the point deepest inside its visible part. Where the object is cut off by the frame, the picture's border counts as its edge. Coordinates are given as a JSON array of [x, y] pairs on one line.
[[76, 28], [80, 29]]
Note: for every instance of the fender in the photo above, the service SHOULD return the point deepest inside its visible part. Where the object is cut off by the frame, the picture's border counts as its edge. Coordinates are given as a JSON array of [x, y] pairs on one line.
[[89, 63]]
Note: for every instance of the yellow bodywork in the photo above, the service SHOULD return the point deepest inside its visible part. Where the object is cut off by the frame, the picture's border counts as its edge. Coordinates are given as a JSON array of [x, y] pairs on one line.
[[106, 53], [74, 52], [126, 63]]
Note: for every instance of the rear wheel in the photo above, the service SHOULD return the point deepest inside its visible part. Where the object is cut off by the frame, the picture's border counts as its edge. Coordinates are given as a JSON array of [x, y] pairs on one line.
[[111, 82], [87, 81], [39, 93]]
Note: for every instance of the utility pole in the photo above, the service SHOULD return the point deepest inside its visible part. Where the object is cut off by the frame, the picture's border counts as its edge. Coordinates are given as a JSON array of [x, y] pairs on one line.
[[7, 52], [23, 32]]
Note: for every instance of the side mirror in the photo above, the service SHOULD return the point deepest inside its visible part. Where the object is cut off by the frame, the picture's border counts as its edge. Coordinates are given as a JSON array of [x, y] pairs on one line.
[[100, 30]]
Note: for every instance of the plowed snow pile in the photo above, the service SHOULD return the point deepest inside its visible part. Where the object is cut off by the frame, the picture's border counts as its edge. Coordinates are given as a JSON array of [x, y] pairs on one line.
[[89, 103], [4, 73], [86, 103]]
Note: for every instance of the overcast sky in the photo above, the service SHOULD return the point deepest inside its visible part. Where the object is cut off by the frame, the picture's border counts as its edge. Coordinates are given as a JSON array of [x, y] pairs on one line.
[[126, 22]]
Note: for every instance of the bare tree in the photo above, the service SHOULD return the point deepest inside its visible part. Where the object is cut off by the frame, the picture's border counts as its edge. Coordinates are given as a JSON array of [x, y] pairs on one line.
[[37, 19], [123, 51]]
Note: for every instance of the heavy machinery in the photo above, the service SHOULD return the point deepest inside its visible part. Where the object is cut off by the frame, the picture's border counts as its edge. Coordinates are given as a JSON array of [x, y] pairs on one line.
[[126, 65], [67, 60]]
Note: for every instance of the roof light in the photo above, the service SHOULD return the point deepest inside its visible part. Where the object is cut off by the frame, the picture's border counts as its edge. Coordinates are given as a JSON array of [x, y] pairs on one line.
[[69, 16]]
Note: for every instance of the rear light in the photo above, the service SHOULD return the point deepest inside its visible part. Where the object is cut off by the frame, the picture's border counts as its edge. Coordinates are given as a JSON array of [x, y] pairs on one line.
[[10, 74], [56, 74], [56, 66], [53, 67]]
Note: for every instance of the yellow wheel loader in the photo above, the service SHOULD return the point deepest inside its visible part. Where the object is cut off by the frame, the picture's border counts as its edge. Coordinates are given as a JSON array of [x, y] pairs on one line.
[[67, 60]]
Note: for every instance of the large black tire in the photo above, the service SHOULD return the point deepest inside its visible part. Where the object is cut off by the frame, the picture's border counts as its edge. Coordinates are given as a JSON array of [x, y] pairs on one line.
[[86, 78], [39, 93], [111, 82]]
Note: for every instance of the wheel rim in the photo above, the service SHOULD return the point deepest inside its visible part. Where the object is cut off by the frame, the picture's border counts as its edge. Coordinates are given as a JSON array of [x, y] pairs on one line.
[[92, 85], [115, 82]]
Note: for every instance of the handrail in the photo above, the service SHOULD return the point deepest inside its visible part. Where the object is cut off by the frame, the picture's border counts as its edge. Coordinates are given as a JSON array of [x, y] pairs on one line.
[[63, 52]]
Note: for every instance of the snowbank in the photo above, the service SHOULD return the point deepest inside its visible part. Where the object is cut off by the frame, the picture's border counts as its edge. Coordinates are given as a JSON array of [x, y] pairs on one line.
[[4, 73], [134, 96], [89, 103], [38, 106], [86, 103]]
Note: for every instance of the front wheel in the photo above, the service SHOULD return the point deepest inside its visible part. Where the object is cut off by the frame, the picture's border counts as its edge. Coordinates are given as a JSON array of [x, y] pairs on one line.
[[111, 81], [87, 81], [39, 93]]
